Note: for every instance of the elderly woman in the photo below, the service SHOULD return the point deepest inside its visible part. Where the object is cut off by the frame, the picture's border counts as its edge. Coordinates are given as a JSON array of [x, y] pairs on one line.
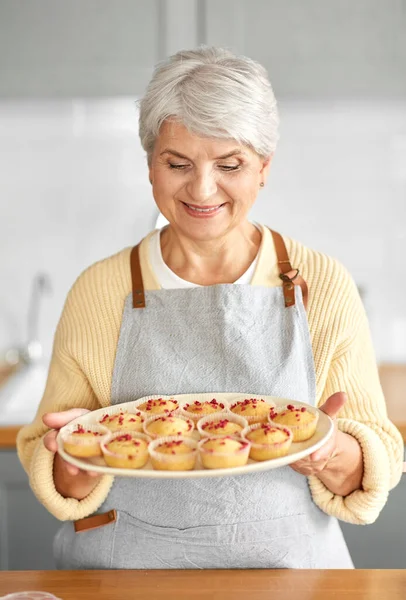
[[214, 303]]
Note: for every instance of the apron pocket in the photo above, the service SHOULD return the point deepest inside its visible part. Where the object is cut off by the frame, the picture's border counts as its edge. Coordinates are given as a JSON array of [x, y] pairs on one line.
[[284, 542]]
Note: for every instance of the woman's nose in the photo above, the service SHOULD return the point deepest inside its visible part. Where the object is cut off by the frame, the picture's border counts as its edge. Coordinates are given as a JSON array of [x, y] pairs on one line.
[[202, 187]]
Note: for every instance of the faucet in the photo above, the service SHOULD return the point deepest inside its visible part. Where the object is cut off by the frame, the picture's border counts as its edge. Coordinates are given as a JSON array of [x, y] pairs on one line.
[[31, 352]]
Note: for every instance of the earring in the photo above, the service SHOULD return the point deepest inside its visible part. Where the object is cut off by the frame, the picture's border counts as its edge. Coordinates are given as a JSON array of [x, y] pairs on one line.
[[261, 184]]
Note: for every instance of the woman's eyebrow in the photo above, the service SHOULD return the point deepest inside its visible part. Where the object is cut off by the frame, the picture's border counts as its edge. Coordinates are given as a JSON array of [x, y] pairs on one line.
[[174, 152], [230, 154], [222, 157]]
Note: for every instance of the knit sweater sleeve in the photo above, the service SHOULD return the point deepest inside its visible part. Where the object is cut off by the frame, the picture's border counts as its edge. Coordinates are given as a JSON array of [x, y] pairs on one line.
[[353, 370]]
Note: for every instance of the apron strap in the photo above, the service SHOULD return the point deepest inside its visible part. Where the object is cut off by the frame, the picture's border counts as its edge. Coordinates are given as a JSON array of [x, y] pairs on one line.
[[290, 276], [136, 276]]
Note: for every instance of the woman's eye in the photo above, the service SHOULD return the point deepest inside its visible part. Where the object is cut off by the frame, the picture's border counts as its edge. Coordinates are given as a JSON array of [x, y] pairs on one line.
[[174, 166], [229, 167]]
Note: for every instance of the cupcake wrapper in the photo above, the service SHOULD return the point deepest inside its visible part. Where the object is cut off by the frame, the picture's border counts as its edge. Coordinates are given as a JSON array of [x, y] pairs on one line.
[[221, 460], [268, 451], [123, 460], [300, 428], [243, 449], [195, 416], [155, 417], [251, 419], [250, 428], [168, 461], [114, 410], [112, 436], [136, 403], [219, 417], [67, 431]]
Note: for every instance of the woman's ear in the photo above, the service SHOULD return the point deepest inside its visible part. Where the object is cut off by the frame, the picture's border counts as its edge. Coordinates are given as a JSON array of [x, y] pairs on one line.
[[150, 171], [265, 166]]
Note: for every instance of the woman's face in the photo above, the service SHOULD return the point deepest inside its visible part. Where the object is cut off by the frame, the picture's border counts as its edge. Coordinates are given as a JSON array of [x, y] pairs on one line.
[[205, 187]]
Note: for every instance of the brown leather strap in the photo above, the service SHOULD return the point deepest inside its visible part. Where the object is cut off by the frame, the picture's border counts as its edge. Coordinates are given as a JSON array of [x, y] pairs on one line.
[[136, 276], [95, 521], [290, 276]]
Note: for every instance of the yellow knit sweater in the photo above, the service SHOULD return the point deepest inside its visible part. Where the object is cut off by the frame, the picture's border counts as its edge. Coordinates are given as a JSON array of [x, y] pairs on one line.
[[84, 351]]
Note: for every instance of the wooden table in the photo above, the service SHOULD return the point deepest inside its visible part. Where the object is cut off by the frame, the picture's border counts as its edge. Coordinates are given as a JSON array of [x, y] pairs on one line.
[[211, 585]]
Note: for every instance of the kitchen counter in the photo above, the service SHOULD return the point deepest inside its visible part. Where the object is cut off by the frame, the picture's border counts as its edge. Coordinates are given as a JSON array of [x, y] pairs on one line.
[[8, 433], [8, 436], [211, 585]]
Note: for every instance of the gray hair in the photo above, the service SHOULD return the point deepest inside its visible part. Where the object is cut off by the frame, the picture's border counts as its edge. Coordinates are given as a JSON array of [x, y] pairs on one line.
[[213, 93]]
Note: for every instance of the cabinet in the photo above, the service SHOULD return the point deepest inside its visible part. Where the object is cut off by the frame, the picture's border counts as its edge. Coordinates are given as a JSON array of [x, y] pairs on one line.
[[313, 49], [316, 49], [54, 48], [381, 545], [26, 528]]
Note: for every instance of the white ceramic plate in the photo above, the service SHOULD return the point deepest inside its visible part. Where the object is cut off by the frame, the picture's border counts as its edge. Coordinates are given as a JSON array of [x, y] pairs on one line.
[[297, 450]]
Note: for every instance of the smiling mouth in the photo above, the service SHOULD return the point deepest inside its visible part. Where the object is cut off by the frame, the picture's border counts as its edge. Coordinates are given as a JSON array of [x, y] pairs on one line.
[[200, 209]]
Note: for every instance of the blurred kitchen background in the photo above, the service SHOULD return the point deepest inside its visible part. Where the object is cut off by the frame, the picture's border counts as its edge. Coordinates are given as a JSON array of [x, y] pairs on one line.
[[74, 185]]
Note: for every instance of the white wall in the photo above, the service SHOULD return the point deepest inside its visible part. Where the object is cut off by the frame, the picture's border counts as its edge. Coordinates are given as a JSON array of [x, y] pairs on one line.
[[74, 189], [339, 185]]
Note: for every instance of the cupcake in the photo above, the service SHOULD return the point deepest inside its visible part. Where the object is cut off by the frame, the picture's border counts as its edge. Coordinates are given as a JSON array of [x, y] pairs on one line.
[[173, 453], [221, 424], [301, 420], [267, 441], [126, 450], [253, 409], [196, 410], [157, 406], [123, 421], [83, 442], [163, 426], [222, 453]]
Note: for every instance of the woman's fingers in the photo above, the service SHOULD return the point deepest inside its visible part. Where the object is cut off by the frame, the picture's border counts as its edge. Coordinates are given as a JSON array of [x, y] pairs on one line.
[[50, 441], [51, 445], [57, 420], [334, 404], [317, 461], [324, 453], [72, 470]]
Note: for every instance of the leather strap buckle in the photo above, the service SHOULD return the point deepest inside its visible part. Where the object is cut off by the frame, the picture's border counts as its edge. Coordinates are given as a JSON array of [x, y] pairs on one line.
[[95, 521], [288, 279]]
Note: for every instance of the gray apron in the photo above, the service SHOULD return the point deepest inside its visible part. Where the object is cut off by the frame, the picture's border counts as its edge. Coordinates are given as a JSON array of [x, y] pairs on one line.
[[222, 338]]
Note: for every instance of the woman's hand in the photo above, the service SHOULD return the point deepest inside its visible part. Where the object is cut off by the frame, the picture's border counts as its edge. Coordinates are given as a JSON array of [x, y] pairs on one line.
[[338, 464], [70, 481], [316, 462]]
